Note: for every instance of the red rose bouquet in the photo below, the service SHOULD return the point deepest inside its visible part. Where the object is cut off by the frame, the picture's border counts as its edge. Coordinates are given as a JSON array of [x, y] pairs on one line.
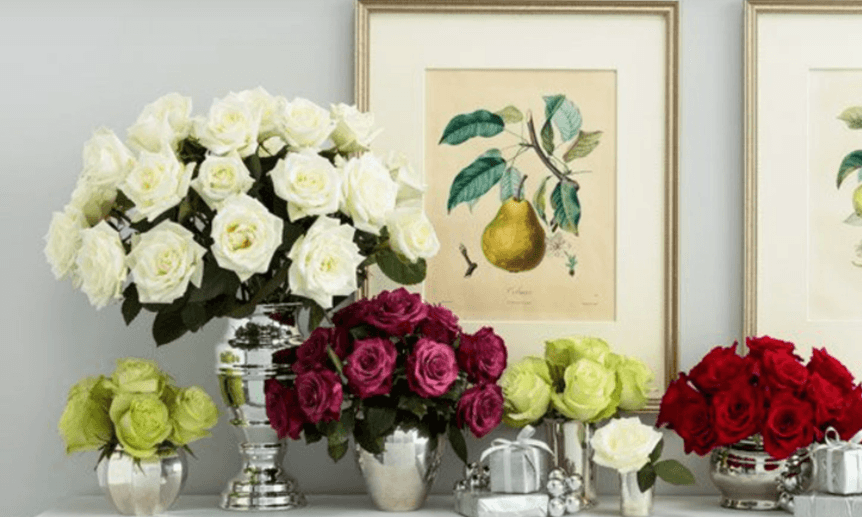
[[727, 397], [389, 361]]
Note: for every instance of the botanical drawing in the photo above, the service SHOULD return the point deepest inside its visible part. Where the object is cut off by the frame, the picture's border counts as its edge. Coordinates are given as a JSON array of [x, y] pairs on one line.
[[851, 163]]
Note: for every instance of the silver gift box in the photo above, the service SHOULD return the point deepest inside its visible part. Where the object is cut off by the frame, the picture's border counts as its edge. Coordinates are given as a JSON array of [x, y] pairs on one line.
[[518, 470], [839, 470], [487, 504], [827, 505]]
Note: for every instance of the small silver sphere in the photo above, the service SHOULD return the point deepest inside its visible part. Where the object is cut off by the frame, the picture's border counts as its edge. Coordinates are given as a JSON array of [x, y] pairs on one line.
[[470, 469], [557, 474], [461, 486], [556, 507], [574, 483], [574, 503], [556, 488]]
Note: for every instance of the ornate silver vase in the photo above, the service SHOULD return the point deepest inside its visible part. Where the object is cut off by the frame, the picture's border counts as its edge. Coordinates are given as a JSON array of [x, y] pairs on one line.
[[244, 363], [633, 502], [148, 487], [570, 441], [399, 478]]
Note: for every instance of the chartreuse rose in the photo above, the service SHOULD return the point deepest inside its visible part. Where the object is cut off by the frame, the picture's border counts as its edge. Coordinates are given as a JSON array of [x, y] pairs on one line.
[[590, 392], [527, 388], [85, 424]]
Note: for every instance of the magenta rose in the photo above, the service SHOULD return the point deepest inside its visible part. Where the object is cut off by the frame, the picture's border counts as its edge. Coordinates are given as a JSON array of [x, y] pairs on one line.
[[369, 368], [352, 315], [396, 312], [481, 408], [319, 395], [282, 410], [441, 325], [431, 368], [482, 355], [311, 354]]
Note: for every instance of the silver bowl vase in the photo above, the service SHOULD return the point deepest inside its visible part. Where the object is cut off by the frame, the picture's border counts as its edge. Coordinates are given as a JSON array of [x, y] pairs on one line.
[[244, 363], [147, 487], [399, 478]]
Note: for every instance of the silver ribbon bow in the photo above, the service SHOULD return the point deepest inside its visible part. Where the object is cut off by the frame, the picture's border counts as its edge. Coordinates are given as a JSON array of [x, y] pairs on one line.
[[833, 441]]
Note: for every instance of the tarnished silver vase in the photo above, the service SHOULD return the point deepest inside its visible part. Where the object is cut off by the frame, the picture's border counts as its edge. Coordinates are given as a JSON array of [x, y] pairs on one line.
[[399, 478], [570, 441], [244, 363], [146, 487]]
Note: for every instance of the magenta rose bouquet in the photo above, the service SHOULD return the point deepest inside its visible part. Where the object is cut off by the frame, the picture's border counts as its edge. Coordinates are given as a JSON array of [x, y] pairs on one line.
[[390, 361]]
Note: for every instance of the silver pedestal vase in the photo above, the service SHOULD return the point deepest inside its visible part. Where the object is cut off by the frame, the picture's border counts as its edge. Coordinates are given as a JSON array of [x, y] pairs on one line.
[[399, 478], [147, 487], [244, 363], [570, 441]]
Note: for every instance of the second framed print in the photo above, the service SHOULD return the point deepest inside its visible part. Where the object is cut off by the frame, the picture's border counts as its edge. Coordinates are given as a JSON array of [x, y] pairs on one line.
[[546, 134]]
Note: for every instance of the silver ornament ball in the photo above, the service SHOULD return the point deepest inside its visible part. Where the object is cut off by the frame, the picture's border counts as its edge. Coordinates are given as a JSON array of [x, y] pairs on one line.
[[556, 507], [556, 488], [557, 474], [574, 483], [574, 503], [461, 486]]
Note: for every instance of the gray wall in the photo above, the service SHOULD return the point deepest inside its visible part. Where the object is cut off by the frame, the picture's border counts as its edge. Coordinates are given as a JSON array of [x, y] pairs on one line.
[[69, 67]]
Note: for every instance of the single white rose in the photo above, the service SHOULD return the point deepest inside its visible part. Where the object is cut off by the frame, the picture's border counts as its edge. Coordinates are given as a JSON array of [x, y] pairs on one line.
[[158, 182], [231, 125], [324, 262], [163, 261], [101, 264], [107, 161], [624, 444], [410, 184], [272, 145], [411, 233], [354, 130], [93, 201], [221, 177], [270, 108], [162, 124], [63, 241], [245, 236], [369, 192], [309, 183], [306, 124]]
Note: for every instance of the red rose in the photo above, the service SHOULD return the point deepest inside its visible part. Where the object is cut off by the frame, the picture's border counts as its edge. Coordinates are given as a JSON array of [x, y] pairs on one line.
[[789, 425], [481, 408], [782, 371], [396, 312], [850, 421], [431, 368], [482, 355], [369, 368], [352, 315], [738, 412], [757, 346], [718, 369], [282, 410], [827, 400], [831, 369], [686, 411], [319, 395], [440, 325], [311, 354]]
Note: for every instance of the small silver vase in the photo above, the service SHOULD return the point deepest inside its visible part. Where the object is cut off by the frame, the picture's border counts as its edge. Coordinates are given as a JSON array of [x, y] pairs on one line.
[[570, 441], [147, 487], [399, 478], [633, 502]]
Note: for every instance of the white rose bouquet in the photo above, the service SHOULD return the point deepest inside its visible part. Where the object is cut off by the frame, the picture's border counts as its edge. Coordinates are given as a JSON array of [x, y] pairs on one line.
[[263, 200]]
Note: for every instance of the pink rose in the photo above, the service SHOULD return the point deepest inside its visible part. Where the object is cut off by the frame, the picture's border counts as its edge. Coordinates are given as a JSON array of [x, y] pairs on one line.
[[440, 325], [311, 354], [482, 355], [431, 368], [282, 410], [319, 395], [481, 408], [352, 315], [396, 312], [370, 366]]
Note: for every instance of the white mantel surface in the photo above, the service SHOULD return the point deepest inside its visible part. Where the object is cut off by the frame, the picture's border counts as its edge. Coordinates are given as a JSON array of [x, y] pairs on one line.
[[360, 506]]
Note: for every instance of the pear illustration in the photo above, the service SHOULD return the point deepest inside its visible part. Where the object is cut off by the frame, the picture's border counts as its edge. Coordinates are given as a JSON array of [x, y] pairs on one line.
[[514, 240], [857, 200]]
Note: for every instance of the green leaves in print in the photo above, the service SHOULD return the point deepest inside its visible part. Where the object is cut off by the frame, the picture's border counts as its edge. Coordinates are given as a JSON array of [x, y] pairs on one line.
[[466, 126], [567, 207], [852, 116], [477, 178], [565, 115], [584, 145], [850, 163]]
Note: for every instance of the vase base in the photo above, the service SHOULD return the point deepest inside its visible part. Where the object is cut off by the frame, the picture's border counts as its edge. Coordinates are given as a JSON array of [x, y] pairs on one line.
[[246, 497], [748, 504]]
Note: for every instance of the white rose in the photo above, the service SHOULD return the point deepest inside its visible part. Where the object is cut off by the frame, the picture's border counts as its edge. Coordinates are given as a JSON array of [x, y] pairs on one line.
[[245, 236], [162, 124], [221, 177], [94, 202], [270, 108], [63, 241], [411, 233], [309, 183], [354, 130], [107, 161], [624, 444], [163, 261], [324, 262], [369, 192], [306, 124], [410, 185], [158, 182], [273, 145], [101, 264], [231, 125]]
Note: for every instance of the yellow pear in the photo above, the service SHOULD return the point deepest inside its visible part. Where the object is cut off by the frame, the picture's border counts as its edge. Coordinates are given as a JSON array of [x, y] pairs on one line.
[[514, 240], [857, 200]]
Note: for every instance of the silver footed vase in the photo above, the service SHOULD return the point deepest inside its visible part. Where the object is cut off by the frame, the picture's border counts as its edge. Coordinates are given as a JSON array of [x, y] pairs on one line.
[[399, 478], [244, 362], [570, 441], [145, 487]]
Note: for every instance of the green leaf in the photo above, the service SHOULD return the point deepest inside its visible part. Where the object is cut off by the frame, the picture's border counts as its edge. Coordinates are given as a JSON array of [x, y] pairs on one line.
[[547, 134], [459, 445], [315, 316], [289, 234], [216, 281], [413, 404], [853, 220], [852, 116], [131, 304], [380, 419], [366, 439], [567, 208], [477, 178], [468, 125], [539, 202], [194, 316], [511, 115], [646, 477], [656, 453], [267, 289], [336, 361], [337, 450], [566, 116], [254, 166], [850, 163], [337, 437], [584, 145], [674, 472], [312, 433], [405, 273], [509, 183], [167, 327]]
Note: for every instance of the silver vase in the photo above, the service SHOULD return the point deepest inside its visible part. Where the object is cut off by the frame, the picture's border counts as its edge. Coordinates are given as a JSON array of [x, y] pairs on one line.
[[570, 441], [399, 478], [244, 363], [147, 487], [633, 502]]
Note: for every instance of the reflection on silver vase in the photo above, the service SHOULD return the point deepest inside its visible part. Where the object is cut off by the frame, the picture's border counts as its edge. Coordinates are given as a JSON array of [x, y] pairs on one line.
[[244, 364], [570, 441], [147, 487], [633, 502], [399, 478]]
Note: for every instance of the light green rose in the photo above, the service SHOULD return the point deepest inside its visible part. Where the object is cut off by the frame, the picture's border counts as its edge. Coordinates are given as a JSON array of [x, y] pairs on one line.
[[560, 353], [85, 425], [590, 393], [192, 413], [635, 378], [526, 390], [141, 421], [138, 376]]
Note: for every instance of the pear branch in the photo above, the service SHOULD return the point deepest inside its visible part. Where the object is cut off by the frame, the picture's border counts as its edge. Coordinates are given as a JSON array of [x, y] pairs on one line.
[[534, 143]]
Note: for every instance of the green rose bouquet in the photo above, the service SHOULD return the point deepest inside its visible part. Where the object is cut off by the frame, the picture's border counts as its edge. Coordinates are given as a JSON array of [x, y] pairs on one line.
[[137, 408], [579, 378]]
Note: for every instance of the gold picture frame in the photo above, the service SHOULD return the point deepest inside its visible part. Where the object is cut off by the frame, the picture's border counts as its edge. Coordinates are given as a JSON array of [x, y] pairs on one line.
[[403, 46]]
